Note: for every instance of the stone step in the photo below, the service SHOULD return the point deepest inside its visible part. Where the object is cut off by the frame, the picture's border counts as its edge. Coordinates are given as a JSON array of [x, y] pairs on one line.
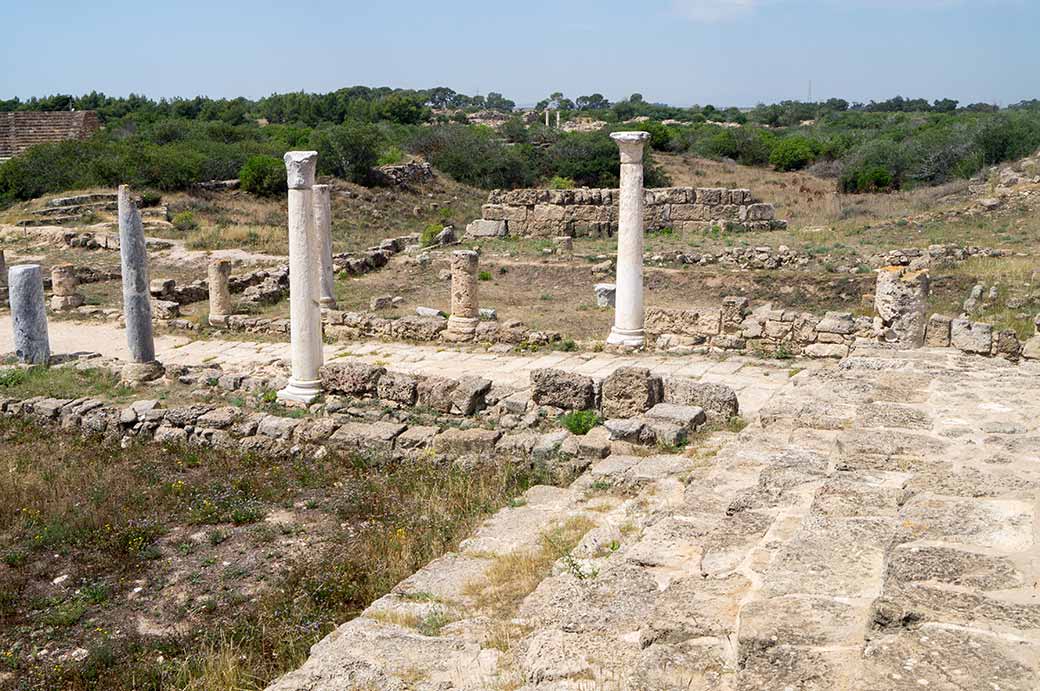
[[83, 199]]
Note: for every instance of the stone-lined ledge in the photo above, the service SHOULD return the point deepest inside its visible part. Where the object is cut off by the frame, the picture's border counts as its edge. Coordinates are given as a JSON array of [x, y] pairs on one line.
[[457, 419], [594, 212]]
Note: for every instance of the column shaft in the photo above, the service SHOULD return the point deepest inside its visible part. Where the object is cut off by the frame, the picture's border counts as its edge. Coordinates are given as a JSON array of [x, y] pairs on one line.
[[29, 315], [304, 310], [629, 310], [323, 227], [137, 303]]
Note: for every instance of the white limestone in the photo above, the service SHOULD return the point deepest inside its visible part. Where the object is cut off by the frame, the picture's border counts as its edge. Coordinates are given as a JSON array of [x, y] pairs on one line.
[[29, 315], [628, 313], [323, 228], [304, 292]]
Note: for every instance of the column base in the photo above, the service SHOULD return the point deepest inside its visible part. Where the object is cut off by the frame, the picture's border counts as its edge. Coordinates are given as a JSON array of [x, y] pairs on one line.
[[327, 303], [627, 338], [461, 329], [220, 320], [300, 391]]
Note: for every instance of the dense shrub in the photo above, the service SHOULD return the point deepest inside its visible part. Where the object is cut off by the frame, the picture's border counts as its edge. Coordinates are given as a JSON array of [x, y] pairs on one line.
[[264, 176], [185, 221], [348, 151], [792, 153], [474, 156], [561, 183]]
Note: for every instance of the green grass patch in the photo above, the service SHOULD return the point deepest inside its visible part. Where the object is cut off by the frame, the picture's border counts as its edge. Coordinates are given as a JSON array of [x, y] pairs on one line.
[[580, 421]]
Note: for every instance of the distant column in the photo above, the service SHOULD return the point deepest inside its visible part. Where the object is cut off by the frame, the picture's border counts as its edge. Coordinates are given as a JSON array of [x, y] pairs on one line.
[[220, 307], [137, 304], [29, 315], [465, 309], [546, 117], [557, 119], [304, 292], [3, 269], [629, 311], [323, 227]]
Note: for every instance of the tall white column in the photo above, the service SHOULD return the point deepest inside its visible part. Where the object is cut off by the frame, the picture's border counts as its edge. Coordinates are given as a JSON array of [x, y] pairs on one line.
[[304, 311], [628, 310], [323, 227]]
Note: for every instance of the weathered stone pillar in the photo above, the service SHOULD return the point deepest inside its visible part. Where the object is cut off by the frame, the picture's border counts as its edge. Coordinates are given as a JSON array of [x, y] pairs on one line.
[[900, 305], [3, 269], [323, 228], [220, 307], [628, 312], [29, 315], [137, 303], [465, 309], [304, 279], [557, 119], [64, 295], [546, 117]]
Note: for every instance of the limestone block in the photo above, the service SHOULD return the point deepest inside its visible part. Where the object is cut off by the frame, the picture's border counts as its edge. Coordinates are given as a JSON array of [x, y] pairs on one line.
[[605, 294], [542, 213], [63, 280], [718, 401], [837, 323], [709, 323], [826, 350], [482, 228], [734, 309], [688, 418], [1007, 345], [757, 212], [709, 196], [900, 301], [562, 389], [971, 337], [689, 212], [398, 387], [740, 197], [937, 333], [502, 212], [629, 392], [377, 436], [351, 378], [466, 441], [1031, 349]]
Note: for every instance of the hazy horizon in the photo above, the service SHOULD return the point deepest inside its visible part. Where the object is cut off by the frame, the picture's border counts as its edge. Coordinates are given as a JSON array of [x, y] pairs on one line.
[[681, 52]]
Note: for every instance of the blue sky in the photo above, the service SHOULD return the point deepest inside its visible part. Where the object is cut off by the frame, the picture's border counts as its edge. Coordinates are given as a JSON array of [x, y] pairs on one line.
[[723, 52]]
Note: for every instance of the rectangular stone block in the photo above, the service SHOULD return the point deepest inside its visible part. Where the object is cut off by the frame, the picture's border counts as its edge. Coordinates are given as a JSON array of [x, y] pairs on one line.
[[546, 212], [757, 212], [502, 212], [709, 196], [971, 337], [689, 212], [937, 332]]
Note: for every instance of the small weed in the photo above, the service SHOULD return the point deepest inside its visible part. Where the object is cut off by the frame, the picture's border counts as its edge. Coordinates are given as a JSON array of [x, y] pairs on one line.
[[579, 421], [433, 622], [484, 276]]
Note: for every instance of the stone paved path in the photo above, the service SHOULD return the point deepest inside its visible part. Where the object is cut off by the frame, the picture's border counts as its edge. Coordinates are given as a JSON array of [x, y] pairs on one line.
[[754, 380], [875, 527]]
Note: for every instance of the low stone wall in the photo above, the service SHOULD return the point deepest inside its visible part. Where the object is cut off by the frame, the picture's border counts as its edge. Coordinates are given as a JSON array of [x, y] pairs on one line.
[[594, 212], [735, 327], [267, 286]]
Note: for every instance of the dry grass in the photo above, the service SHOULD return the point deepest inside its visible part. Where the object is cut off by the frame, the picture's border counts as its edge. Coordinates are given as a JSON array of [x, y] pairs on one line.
[[1014, 278], [99, 512], [272, 240], [512, 577]]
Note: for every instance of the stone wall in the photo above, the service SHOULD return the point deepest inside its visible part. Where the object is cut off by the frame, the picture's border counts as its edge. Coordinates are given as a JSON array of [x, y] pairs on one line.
[[594, 212], [21, 129], [735, 327]]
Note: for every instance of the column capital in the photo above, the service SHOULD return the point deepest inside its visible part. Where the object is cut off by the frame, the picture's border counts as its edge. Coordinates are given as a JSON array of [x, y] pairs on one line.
[[299, 168], [631, 145]]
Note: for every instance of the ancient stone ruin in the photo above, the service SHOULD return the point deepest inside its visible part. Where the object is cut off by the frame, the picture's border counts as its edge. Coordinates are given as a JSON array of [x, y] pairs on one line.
[[595, 212]]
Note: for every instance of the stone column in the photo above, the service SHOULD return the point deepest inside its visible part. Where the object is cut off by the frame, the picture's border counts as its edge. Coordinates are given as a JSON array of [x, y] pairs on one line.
[[304, 311], [557, 119], [3, 276], [64, 295], [220, 307], [628, 311], [29, 315], [465, 310], [900, 304], [323, 227], [137, 302], [546, 117]]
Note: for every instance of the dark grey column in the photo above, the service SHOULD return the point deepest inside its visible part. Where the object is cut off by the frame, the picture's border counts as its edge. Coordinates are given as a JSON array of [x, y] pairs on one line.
[[29, 314], [137, 305]]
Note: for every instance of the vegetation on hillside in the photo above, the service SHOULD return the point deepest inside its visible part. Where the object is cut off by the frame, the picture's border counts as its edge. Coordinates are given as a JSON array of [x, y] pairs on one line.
[[170, 144]]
